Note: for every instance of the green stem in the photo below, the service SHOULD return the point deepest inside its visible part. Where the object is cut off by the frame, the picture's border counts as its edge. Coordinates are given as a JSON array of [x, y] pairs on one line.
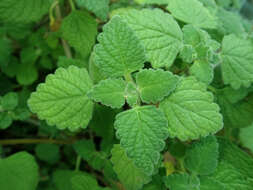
[[78, 163], [34, 141], [51, 12], [72, 4], [212, 89], [128, 77], [181, 163]]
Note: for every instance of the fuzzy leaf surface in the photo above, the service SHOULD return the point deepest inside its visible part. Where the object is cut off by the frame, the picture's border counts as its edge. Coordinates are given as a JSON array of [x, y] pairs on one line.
[[62, 99], [191, 111], [142, 131]]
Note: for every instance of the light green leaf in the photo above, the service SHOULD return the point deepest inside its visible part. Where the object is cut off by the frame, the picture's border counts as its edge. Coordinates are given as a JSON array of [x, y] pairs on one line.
[[5, 120], [246, 137], [237, 67], [130, 176], [159, 32], [202, 157], [109, 92], [154, 85], [191, 111], [23, 11], [119, 51], [142, 131], [158, 2], [99, 7], [203, 71], [62, 99], [80, 30], [84, 182], [49, 153], [192, 12], [181, 182], [19, 172], [131, 94], [9, 101]]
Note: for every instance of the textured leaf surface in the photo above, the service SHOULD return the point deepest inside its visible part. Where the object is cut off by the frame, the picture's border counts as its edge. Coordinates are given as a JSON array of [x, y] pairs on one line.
[[208, 183], [80, 30], [192, 12], [159, 32], [203, 71], [62, 99], [181, 182], [202, 157], [131, 94], [158, 2], [109, 92], [19, 172], [154, 85], [84, 182], [190, 111], [23, 11], [130, 176], [237, 67], [99, 7], [119, 51], [142, 131]]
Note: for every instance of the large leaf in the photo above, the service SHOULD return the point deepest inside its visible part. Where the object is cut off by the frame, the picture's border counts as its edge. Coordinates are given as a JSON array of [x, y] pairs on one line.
[[191, 111], [159, 32], [19, 172], [237, 67], [62, 99], [130, 176], [154, 85], [80, 30], [142, 131], [192, 12], [23, 11], [119, 51]]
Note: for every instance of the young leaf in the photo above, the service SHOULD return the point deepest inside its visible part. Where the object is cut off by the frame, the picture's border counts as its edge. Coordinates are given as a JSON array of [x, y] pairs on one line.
[[237, 67], [5, 120], [130, 176], [192, 12], [246, 137], [23, 11], [99, 7], [142, 131], [202, 157], [159, 32], [191, 111], [84, 182], [109, 92], [181, 182], [62, 99], [9, 101], [131, 94], [154, 85], [119, 51], [19, 172], [80, 30]]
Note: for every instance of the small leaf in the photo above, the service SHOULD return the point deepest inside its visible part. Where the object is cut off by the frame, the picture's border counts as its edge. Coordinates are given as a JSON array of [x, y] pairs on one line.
[[48, 152], [192, 12], [62, 99], [131, 94], [246, 137], [5, 120], [84, 182], [142, 131], [109, 92], [191, 111], [202, 157], [9, 101], [130, 176], [154, 85], [119, 51]]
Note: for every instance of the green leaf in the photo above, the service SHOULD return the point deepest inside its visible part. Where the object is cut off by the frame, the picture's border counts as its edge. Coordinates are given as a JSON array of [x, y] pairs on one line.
[[23, 11], [154, 85], [190, 111], [130, 176], [48, 152], [5, 50], [236, 115], [158, 2], [192, 12], [181, 182], [208, 183], [142, 131], [84, 182], [5, 120], [62, 99], [202, 157], [9, 101], [237, 67], [99, 7], [131, 94], [109, 92], [27, 73], [19, 172], [119, 51], [246, 137], [80, 30], [159, 32], [66, 62], [203, 71]]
